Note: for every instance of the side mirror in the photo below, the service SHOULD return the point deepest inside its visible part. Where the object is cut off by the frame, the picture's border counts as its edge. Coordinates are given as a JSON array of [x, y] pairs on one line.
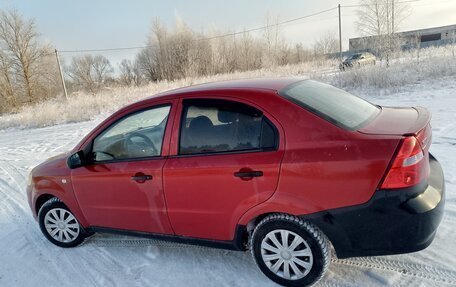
[[76, 160]]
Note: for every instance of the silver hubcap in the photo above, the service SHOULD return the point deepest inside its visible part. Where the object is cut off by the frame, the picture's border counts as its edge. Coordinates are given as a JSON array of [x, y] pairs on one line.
[[286, 254], [61, 225]]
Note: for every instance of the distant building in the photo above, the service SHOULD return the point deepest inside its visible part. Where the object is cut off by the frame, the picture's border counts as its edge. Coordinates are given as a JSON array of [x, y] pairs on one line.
[[410, 39]]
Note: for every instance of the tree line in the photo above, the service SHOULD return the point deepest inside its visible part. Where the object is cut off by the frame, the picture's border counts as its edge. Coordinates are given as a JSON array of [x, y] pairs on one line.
[[182, 52], [29, 71]]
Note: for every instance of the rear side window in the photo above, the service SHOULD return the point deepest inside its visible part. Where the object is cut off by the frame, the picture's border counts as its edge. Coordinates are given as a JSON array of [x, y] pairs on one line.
[[213, 126], [335, 105]]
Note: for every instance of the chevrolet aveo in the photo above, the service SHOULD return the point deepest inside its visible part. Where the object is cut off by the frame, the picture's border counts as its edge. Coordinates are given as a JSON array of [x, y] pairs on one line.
[[283, 167]]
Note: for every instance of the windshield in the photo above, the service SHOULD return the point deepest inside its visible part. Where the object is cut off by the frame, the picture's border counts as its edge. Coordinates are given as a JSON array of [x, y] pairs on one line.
[[332, 104]]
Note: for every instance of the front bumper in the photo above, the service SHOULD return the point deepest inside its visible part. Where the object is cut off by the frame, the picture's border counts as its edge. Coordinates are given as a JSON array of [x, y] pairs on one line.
[[30, 200], [392, 222]]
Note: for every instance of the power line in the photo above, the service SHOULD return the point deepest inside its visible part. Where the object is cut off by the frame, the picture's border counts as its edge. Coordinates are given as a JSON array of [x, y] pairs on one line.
[[233, 33], [206, 38], [364, 5]]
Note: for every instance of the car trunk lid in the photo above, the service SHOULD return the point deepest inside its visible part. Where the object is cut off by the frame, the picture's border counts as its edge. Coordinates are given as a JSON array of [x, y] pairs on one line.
[[402, 121]]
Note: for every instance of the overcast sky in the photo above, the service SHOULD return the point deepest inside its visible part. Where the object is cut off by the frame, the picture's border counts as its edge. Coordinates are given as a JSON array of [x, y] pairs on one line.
[[94, 24]]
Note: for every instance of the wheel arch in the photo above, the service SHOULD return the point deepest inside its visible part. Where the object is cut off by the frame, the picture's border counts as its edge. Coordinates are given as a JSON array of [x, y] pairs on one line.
[[335, 233], [69, 201], [42, 199]]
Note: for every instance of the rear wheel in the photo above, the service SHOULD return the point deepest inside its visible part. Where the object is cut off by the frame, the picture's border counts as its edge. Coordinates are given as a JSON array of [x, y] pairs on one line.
[[59, 225], [289, 250]]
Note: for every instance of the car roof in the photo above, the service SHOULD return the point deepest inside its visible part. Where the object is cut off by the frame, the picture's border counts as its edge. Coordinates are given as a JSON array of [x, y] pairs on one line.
[[273, 84]]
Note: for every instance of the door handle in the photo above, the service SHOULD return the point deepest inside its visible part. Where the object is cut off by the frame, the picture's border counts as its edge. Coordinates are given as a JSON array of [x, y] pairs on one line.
[[247, 174], [141, 177]]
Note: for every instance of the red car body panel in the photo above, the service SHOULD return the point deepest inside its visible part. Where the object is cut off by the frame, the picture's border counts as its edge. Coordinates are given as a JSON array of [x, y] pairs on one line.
[[398, 121], [317, 166], [48, 180], [109, 198], [192, 191], [205, 200], [204, 196]]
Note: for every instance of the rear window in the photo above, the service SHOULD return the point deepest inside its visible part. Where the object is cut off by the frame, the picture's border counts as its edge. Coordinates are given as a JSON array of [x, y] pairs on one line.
[[333, 104]]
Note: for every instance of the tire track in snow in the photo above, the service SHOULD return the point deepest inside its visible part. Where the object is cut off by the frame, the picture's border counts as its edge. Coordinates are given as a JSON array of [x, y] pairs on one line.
[[420, 271], [8, 174], [8, 198], [16, 207], [8, 191]]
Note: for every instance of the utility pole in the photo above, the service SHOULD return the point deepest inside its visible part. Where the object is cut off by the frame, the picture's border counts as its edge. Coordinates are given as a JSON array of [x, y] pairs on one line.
[[340, 36], [392, 16], [388, 30], [61, 74]]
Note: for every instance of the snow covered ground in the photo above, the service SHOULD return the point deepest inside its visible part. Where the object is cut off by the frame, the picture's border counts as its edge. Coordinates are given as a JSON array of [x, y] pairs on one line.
[[28, 259]]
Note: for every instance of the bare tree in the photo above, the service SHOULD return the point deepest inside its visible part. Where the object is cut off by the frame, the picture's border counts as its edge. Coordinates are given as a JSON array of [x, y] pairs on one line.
[[301, 54], [147, 65], [174, 54], [453, 43], [326, 44], [200, 58], [382, 18], [251, 52], [89, 72], [271, 38], [7, 94], [130, 73], [19, 41], [417, 44], [223, 54], [181, 52]]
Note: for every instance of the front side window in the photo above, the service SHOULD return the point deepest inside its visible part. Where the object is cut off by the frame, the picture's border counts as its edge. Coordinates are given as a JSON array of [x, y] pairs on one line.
[[212, 126], [134, 136]]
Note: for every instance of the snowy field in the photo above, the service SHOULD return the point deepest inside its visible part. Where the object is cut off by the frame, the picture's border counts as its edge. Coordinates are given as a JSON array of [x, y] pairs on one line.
[[28, 259]]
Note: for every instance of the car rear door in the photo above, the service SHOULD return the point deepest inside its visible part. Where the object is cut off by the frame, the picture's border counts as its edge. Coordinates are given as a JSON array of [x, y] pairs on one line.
[[227, 156], [122, 188]]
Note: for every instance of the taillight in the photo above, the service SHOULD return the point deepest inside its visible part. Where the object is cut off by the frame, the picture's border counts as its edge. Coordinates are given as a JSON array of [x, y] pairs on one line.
[[409, 167]]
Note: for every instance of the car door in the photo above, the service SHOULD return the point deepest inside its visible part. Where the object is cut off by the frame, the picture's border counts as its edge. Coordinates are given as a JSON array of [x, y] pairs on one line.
[[122, 187], [227, 160]]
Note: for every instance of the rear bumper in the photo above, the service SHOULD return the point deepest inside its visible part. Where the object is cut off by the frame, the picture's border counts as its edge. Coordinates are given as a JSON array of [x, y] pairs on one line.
[[392, 222]]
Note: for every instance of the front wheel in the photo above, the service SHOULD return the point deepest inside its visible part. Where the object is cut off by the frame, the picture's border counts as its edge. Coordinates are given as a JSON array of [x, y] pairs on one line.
[[289, 250], [59, 225]]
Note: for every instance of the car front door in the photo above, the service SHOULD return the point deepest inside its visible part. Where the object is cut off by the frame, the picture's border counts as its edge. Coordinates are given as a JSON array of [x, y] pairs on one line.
[[227, 160], [122, 187]]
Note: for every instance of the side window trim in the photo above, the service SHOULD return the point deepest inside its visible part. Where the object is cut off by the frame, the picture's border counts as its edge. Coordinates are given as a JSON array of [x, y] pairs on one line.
[[187, 102], [89, 147], [274, 130]]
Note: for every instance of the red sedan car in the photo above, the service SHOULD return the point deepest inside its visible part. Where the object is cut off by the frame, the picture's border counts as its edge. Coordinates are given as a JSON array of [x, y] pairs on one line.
[[283, 167]]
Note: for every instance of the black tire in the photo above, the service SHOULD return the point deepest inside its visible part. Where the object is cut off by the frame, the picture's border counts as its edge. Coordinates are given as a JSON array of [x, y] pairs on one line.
[[54, 204], [315, 239]]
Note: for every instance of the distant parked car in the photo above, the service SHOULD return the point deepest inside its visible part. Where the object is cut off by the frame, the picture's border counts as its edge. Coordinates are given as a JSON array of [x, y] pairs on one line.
[[282, 167], [357, 60]]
